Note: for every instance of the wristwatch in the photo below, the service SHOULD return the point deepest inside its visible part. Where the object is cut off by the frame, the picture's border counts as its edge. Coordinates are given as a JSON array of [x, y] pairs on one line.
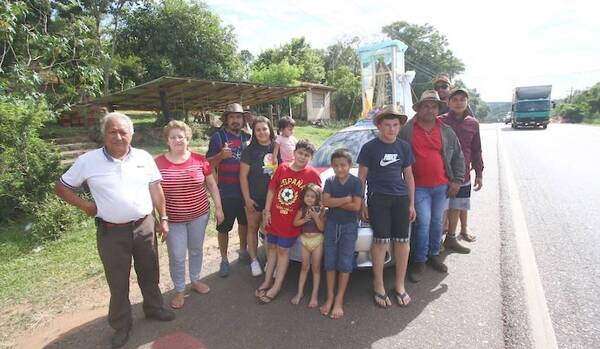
[[164, 218]]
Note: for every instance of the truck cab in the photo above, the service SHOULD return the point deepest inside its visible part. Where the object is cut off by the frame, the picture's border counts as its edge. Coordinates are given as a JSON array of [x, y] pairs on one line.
[[531, 106]]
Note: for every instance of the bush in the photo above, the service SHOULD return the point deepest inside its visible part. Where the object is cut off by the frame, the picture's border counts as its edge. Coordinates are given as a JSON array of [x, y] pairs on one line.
[[53, 218], [28, 165]]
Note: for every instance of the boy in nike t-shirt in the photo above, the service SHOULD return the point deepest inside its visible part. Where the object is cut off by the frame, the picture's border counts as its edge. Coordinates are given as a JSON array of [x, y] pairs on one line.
[[385, 166]]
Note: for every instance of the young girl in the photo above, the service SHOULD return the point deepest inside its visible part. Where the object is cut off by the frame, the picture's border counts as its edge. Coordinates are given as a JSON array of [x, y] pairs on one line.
[[256, 170], [285, 143], [311, 217]]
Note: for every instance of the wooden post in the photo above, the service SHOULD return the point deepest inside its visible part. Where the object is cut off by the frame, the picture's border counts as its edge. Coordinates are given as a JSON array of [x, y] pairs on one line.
[[164, 107]]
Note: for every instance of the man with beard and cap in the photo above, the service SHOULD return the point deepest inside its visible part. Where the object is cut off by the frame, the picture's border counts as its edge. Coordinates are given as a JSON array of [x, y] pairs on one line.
[[439, 170], [224, 154]]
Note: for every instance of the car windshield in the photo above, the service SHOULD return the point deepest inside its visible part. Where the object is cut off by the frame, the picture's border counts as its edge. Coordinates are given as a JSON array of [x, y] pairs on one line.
[[351, 140]]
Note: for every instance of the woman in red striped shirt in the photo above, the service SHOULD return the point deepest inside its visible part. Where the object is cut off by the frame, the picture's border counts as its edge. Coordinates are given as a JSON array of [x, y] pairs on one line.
[[185, 178]]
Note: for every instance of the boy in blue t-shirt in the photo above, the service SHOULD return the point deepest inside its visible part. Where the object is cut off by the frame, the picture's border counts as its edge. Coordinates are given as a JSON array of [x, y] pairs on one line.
[[343, 195], [385, 166]]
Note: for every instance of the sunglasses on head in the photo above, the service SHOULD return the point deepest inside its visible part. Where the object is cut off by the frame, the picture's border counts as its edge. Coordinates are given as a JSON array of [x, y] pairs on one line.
[[441, 87]]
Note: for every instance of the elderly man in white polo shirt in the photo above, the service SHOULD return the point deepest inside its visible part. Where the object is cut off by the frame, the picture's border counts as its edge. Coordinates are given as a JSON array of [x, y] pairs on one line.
[[125, 185]]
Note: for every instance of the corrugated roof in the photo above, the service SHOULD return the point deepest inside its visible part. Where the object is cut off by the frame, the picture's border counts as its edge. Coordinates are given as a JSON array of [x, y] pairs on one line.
[[191, 93]]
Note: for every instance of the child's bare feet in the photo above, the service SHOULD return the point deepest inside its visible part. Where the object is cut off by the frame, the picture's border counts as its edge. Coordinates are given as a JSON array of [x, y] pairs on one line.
[[314, 302], [326, 308], [297, 298], [337, 312]]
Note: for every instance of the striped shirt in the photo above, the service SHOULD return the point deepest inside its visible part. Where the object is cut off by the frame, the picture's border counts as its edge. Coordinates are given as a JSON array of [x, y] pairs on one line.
[[183, 185], [229, 169]]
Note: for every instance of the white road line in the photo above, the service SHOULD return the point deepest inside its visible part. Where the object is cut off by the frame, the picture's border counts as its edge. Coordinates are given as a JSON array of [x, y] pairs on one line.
[[543, 336]]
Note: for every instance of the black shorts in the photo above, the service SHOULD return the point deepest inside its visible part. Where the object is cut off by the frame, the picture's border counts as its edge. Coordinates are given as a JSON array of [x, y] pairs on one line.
[[388, 216], [233, 208], [260, 203]]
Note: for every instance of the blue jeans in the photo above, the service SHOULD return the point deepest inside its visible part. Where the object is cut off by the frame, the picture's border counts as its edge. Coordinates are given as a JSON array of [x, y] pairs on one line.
[[186, 238], [430, 203], [340, 242]]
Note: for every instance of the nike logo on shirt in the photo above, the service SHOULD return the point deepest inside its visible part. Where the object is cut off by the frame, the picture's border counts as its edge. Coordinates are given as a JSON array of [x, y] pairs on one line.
[[388, 159]]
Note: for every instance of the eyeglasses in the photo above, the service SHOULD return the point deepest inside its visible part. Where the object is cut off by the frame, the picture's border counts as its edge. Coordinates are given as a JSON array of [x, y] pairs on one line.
[[441, 87]]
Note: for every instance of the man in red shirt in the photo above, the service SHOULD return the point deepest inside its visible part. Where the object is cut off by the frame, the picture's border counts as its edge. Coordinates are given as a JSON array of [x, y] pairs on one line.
[[439, 171]]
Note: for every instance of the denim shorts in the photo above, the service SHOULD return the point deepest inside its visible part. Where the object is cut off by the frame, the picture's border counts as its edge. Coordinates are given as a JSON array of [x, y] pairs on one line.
[[340, 241], [281, 241], [462, 200]]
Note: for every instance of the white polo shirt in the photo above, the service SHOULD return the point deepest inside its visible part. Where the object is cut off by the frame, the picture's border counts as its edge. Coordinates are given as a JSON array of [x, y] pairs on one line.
[[120, 188]]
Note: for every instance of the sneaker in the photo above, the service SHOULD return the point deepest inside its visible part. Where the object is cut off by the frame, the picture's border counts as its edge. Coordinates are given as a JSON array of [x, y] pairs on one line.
[[436, 263], [224, 269], [415, 272], [453, 245], [243, 255], [255, 268]]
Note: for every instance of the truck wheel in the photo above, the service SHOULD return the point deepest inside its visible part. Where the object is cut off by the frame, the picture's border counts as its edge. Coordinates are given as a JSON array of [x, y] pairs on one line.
[[544, 127]]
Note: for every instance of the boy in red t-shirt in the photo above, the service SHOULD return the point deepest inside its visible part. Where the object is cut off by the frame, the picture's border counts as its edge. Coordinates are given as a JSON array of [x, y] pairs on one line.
[[283, 200]]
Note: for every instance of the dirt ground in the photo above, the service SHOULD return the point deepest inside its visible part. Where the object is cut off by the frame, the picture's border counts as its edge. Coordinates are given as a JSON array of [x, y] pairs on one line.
[[35, 324]]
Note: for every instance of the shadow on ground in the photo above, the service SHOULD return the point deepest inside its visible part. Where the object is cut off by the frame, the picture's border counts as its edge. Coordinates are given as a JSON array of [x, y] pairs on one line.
[[230, 317]]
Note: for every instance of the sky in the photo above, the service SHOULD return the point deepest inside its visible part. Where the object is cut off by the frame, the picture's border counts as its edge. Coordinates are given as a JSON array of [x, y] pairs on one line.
[[503, 44]]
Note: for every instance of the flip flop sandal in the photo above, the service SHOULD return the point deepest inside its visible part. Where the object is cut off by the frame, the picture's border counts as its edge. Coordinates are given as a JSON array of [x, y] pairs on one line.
[[259, 292], [264, 299], [204, 292], [384, 297], [401, 298], [467, 237], [176, 305]]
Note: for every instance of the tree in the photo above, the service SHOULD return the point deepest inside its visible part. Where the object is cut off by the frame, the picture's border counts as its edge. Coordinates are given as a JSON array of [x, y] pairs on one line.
[[427, 53], [299, 53], [573, 112], [279, 74], [343, 53], [582, 106], [48, 51], [346, 96], [247, 59], [178, 37]]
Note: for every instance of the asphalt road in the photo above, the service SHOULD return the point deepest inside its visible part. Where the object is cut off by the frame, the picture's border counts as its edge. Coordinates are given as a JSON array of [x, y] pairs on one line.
[[557, 172], [478, 304]]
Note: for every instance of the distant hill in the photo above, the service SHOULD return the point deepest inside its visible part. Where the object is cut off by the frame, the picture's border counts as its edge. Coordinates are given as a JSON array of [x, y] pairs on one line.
[[498, 110]]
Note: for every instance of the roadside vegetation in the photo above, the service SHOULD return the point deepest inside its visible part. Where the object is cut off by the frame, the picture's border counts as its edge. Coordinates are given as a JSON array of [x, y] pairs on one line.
[[583, 106]]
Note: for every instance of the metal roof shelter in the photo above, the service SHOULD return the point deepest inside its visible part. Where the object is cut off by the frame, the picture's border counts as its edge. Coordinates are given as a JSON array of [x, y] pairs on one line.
[[191, 93]]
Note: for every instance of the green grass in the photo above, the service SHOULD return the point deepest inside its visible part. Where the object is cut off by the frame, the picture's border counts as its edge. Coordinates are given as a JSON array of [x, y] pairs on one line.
[[27, 274], [316, 135]]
